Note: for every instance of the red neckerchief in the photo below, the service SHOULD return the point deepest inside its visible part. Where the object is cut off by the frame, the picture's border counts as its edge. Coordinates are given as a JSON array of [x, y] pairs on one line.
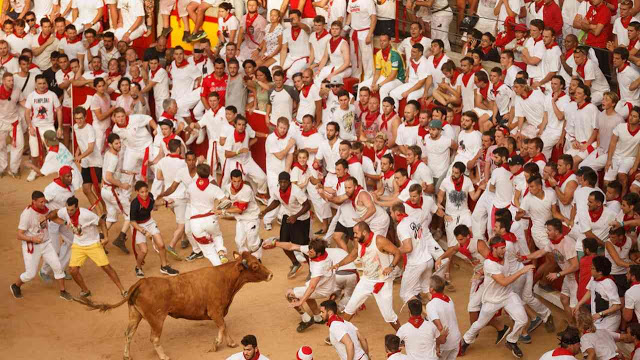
[[387, 175], [20, 36], [364, 245], [415, 123], [526, 95], [41, 39], [77, 39], [380, 154], [75, 218], [202, 183], [94, 43], [322, 34], [295, 32], [144, 203], [249, 21], [320, 257], [182, 64], [301, 167], [256, 355], [569, 53], [354, 196], [496, 88], [414, 166], [305, 90], [278, 135], [333, 43], [416, 40], [454, 76], [54, 148], [286, 195], [4, 93], [485, 50], [237, 190], [44, 211], [484, 92], [563, 352], [59, 36], [96, 73], [557, 241], [580, 68], [8, 59], [342, 179], [436, 60], [466, 77], [202, 59], [580, 107], [440, 296], [552, 45], [535, 41], [309, 133], [636, 347], [116, 74], [416, 321], [385, 53], [509, 237], [385, 120], [333, 318], [168, 138], [632, 44], [403, 186], [229, 15], [401, 217], [539, 5], [521, 41], [126, 123], [539, 157], [624, 66], [63, 185], [370, 118], [603, 278], [354, 159], [561, 94], [66, 72], [517, 173], [595, 215], [633, 133], [423, 132], [464, 249], [621, 243], [392, 353], [494, 259], [414, 66], [563, 178], [153, 72], [415, 206], [626, 21], [457, 184], [175, 156], [239, 137]]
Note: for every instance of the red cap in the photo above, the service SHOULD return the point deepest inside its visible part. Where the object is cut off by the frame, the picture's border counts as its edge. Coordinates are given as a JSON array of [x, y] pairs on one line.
[[304, 353], [521, 27], [64, 170], [510, 22]]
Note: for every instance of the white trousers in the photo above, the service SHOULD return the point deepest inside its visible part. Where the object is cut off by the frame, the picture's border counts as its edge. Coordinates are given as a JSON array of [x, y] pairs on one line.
[[365, 54], [384, 298], [463, 219], [294, 65], [596, 160], [78, 24], [415, 280], [210, 251], [513, 306], [384, 89], [32, 260], [396, 93], [320, 206], [272, 184], [524, 287], [209, 228], [186, 102], [33, 140], [550, 138], [345, 283], [251, 172], [328, 69], [195, 246], [440, 22], [480, 216], [100, 139], [448, 354], [113, 209], [138, 32], [10, 155], [247, 237], [63, 249]]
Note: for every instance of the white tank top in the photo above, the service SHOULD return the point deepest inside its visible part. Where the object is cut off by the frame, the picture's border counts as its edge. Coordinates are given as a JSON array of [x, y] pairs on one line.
[[374, 261], [361, 210], [336, 58], [565, 210]]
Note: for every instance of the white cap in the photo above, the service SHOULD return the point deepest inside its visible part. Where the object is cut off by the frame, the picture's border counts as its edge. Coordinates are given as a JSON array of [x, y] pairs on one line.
[[305, 353]]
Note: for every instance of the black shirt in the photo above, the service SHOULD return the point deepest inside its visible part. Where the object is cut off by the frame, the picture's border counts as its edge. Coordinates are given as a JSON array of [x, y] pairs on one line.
[[50, 75], [138, 213]]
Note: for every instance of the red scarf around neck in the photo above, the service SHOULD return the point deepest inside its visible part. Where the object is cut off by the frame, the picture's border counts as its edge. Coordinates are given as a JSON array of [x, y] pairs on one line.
[[76, 40], [305, 90], [364, 245], [202, 183], [302, 168], [370, 118], [168, 138], [385, 53], [634, 132], [333, 43], [63, 185], [562, 178], [286, 195], [144, 203], [309, 133], [320, 257], [403, 186], [381, 152], [385, 120], [440, 296], [354, 196], [416, 321], [436, 60], [333, 318], [496, 88], [239, 137], [42, 39], [415, 206], [457, 184], [295, 32], [322, 34], [563, 352], [595, 215]]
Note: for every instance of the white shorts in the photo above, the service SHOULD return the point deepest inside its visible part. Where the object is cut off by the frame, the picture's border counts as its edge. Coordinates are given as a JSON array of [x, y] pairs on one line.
[[318, 293], [247, 237], [581, 154], [111, 199], [179, 208], [415, 280], [78, 24], [475, 295], [138, 32], [596, 160], [619, 166], [384, 298], [529, 131], [33, 140], [570, 290], [150, 226], [205, 227]]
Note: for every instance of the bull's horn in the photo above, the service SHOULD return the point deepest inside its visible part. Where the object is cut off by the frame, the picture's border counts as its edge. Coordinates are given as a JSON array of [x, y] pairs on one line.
[[245, 263]]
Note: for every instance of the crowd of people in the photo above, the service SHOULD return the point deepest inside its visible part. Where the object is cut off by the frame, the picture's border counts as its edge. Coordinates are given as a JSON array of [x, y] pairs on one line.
[[526, 169]]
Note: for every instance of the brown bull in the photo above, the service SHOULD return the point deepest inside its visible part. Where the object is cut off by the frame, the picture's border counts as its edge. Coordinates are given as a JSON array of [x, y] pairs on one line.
[[203, 294]]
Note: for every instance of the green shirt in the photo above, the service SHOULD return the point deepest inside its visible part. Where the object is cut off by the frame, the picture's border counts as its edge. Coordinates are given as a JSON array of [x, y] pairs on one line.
[[393, 62]]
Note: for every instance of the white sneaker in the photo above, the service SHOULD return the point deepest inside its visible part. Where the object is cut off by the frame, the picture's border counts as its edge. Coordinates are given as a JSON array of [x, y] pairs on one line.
[[32, 176], [268, 227], [200, 138]]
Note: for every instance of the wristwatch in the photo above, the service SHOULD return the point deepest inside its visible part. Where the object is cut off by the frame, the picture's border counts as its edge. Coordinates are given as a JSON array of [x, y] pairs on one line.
[[601, 313]]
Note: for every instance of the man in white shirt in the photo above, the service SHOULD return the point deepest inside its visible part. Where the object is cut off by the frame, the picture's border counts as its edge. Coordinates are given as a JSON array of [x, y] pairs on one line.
[[529, 109], [632, 295], [469, 141], [89, 158], [589, 72], [569, 343], [421, 338], [10, 126], [310, 101], [132, 20], [335, 61], [249, 350], [295, 39], [434, 64], [622, 155], [413, 89], [343, 335], [534, 49], [87, 14], [72, 45], [282, 100], [186, 83], [361, 18], [627, 76], [44, 44], [441, 311]]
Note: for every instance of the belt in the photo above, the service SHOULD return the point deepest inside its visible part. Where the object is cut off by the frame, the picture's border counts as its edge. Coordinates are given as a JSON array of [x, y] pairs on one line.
[[143, 221], [14, 133], [200, 216], [356, 46], [115, 195]]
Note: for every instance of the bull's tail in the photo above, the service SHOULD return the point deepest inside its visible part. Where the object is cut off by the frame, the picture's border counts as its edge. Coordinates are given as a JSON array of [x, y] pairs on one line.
[[133, 293]]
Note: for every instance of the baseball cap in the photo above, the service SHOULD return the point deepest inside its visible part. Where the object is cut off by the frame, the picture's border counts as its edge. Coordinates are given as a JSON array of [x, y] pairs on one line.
[[304, 353], [335, 81], [521, 27], [50, 138], [165, 122], [516, 160], [436, 124]]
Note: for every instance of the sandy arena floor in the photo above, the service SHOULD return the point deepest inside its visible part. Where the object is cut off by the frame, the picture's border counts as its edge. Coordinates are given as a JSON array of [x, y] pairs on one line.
[[43, 326]]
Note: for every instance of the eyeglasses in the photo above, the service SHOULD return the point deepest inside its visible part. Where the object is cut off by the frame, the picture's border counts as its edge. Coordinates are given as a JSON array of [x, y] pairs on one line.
[[30, 20]]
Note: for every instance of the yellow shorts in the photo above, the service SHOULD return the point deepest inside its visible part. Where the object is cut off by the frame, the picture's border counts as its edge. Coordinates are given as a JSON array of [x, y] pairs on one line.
[[94, 252]]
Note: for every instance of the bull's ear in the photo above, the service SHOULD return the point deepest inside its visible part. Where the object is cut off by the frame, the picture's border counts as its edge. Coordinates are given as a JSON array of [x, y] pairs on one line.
[[236, 256]]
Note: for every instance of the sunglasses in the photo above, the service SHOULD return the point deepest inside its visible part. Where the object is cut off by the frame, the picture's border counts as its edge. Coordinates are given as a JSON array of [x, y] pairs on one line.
[[30, 20]]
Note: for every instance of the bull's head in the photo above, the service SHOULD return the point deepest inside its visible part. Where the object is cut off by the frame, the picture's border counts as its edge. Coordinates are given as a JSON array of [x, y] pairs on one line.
[[252, 268]]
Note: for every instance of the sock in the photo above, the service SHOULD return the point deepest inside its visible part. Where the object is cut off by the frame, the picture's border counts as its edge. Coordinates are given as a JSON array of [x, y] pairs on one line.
[[317, 318], [306, 317]]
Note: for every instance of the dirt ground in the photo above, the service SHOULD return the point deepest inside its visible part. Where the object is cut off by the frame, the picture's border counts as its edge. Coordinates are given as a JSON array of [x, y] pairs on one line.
[[43, 326]]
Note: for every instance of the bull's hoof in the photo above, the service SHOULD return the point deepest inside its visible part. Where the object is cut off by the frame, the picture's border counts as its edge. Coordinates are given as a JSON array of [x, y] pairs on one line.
[[214, 347], [232, 344]]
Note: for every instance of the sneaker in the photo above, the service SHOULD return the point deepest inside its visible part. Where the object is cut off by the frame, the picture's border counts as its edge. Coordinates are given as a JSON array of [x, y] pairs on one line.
[[65, 295], [502, 334], [172, 252], [194, 256], [515, 350], [44, 276], [124, 294], [550, 326], [223, 257], [32, 176], [302, 326], [320, 232], [463, 348], [268, 227], [449, 286], [168, 270], [198, 36], [327, 340], [534, 324], [525, 339], [294, 270], [166, 32], [318, 322], [262, 200], [119, 242], [13, 175], [15, 291], [67, 276], [184, 243], [139, 272], [186, 36], [86, 294]]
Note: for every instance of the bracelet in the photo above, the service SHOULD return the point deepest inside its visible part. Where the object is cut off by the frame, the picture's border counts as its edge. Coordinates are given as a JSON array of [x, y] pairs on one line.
[[524, 258]]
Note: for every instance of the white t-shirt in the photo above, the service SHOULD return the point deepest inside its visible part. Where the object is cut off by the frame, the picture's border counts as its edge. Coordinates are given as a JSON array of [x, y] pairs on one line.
[[161, 89], [17, 44], [602, 341], [361, 11], [184, 79], [273, 145], [113, 164], [627, 145], [410, 228], [202, 200], [102, 104], [130, 10], [607, 292], [322, 269], [57, 195], [246, 196], [632, 299], [536, 49], [549, 355], [437, 153], [230, 143], [422, 174], [87, 9], [439, 309], [539, 209], [61, 77], [563, 252], [593, 72], [625, 77], [532, 108], [87, 231], [30, 224], [329, 155], [43, 108], [501, 179], [456, 200], [407, 135], [307, 104], [562, 103], [494, 293], [622, 33], [420, 343], [135, 135], [296, 199], [86, 136], [72, 50], [212, 122], [337, 331], [502, 97], [44, 59], [469, 143]]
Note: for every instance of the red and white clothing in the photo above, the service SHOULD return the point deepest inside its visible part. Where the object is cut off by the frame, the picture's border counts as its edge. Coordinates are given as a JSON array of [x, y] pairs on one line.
[[417, 71], [275, 144], [204, 224], [501, 94], [130, 11], [438, 154], [297, 41], [536, 49], [185, 78], [319, 267], [115, 198], [240, 355], [87, 11], [170, 166], [43, 60], [225, 27], [540, 211], [319, 42], [336, 59], [43, 116], [419, 337], [553, 131], [531, 107], [161, 88], [606, 292], [563, 250], [590, 70], [307, 102], [62, 76], [244, 162], [620, 27], [625, 77], [137, 143], [72, 48], [10, 127], [17, 43], [407, 44], [581, 122], [603, 342], [632, 299], [625, 152], [419, 264], [466, 83], [212, 121], [597, 15], [84, 137], [338, 329], [31, 222], [247, 222], [469, 143], [100, 126], [441, 308], [328, 155], [456, 206], [361, 11], [434, 68], [281, 102]]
